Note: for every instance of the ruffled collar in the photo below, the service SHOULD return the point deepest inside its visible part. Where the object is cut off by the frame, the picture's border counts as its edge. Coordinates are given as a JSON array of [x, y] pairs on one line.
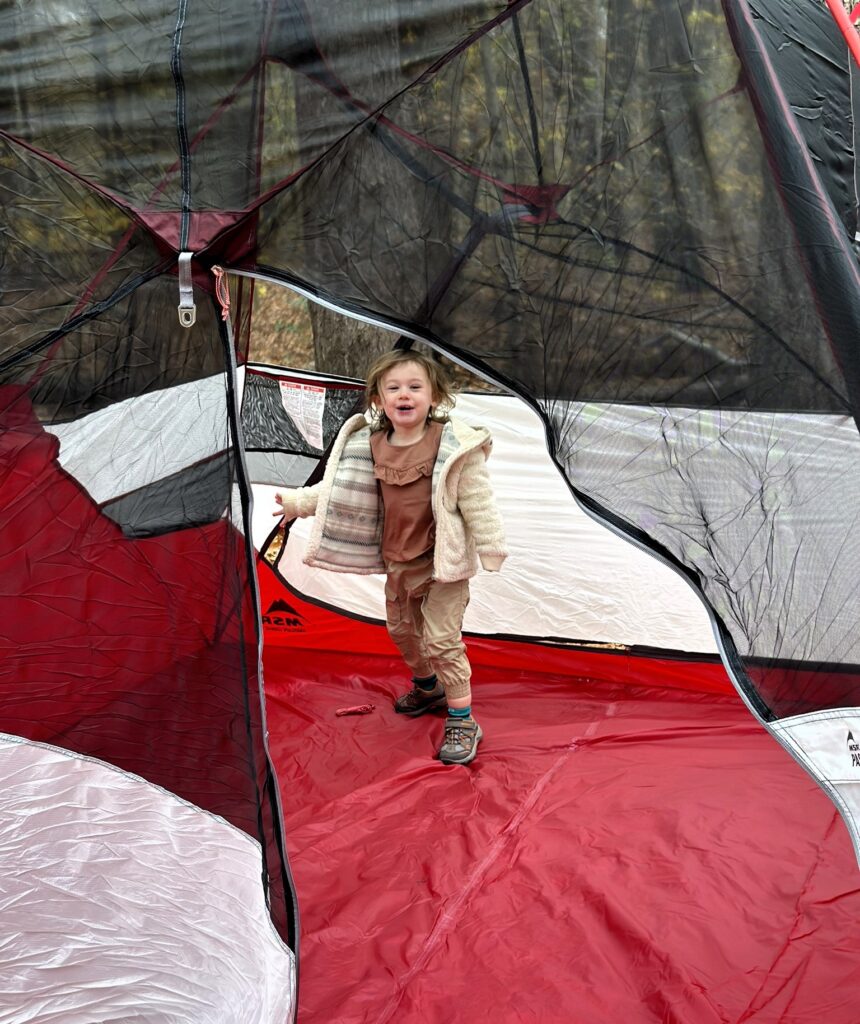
[[399, 465], [400, 475]]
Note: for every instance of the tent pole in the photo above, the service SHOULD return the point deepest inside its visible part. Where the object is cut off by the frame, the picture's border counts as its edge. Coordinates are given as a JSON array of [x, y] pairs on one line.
[[843, 20]]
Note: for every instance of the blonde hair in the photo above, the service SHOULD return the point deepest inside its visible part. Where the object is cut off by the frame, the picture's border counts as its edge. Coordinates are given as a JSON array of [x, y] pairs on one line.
[[440, 386]]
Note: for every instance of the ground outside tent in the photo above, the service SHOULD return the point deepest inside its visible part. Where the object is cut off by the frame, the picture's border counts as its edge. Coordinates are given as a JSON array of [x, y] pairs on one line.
[[639, 852]]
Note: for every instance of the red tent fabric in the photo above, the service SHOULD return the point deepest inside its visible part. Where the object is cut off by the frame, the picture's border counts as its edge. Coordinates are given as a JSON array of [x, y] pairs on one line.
[[636, 851]]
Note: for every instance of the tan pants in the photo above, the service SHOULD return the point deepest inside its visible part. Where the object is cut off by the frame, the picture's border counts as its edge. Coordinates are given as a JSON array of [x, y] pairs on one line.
[[425, 620]]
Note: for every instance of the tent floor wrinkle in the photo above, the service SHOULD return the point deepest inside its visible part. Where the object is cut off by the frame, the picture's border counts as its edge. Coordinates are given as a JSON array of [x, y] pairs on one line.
[[449, 917]]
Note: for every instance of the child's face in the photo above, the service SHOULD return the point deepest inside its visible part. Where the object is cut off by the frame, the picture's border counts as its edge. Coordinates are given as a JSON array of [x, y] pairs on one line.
[[405, 395]]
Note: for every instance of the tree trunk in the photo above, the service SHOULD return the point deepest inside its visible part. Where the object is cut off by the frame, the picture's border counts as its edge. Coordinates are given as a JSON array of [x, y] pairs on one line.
[[399, 213], [343, 345]]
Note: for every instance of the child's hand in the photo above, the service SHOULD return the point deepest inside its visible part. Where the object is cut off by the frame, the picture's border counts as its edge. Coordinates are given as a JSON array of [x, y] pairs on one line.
[[279, 499]]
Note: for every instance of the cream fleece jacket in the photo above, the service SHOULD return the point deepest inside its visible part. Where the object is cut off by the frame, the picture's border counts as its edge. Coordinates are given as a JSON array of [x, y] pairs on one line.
[[347, 531]]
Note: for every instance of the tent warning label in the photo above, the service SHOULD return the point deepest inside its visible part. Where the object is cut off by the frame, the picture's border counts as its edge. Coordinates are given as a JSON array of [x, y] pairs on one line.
[[304, 404]]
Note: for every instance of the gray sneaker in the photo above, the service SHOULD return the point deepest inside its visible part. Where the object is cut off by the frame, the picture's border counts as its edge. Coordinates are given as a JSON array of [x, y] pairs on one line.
[[417, 701], [462, 736]]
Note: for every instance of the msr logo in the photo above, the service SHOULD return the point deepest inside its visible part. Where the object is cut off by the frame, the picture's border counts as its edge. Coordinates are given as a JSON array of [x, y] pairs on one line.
[[281, 616], [854, 750]]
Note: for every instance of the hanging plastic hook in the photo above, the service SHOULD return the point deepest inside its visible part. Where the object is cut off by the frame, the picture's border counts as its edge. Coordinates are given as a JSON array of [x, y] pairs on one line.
[[222, 291], [187, 310]]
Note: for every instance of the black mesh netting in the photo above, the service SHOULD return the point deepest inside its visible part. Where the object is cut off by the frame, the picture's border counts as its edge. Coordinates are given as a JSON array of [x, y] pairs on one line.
[[638, 216]]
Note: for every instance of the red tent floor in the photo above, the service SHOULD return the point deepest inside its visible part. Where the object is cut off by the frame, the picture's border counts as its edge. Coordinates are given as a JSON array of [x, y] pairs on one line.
[[615, 853]]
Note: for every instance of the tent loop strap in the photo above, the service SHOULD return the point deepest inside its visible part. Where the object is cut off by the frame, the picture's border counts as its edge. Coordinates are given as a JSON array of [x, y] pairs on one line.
[[222, 291], [187, 310]]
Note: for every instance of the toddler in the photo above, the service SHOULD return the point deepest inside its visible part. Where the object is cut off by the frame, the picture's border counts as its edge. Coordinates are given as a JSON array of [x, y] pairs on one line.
[[407, 494]]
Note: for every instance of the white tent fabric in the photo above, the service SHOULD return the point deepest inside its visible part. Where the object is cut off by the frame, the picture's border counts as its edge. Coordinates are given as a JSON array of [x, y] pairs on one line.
[[567, 577], [120, 902], [182, 425], [827, 744]]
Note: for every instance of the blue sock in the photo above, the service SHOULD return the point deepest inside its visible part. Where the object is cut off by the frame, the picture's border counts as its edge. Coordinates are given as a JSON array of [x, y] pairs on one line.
[[460, 712], [427, 683]]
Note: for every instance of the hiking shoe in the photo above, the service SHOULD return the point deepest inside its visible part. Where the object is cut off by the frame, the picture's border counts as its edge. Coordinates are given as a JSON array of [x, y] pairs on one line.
[[462, 736], [417, 701]]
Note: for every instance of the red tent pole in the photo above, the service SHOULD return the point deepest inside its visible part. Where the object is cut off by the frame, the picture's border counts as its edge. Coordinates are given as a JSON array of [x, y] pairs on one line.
[[846, 27]]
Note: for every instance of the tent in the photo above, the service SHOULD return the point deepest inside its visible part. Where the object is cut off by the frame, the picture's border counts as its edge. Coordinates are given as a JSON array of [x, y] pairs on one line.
[[638, 220]]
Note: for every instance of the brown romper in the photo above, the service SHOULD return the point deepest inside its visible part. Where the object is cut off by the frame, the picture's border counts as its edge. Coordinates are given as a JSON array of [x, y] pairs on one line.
[[424, 616]]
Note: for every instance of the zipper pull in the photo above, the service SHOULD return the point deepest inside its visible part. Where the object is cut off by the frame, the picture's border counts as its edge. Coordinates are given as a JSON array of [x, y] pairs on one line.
[[187, 310]]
